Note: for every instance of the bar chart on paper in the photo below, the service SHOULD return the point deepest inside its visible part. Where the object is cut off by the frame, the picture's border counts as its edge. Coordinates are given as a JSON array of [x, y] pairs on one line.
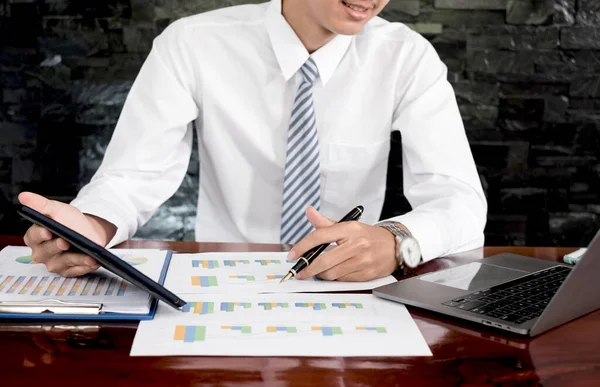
[[282, 325], [313, 305], [189, 333], [51, 285], [271, 305], [328, 331], [205, 264], [199, 307], [247, 272], [285, 329], [231, 306]]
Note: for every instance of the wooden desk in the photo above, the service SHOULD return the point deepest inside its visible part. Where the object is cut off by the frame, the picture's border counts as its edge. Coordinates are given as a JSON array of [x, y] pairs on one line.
[[463, 354]]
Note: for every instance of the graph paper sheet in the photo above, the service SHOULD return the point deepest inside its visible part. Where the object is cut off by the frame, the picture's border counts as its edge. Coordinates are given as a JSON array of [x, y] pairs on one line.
[[248, 272], [22, 279], [282, 325]]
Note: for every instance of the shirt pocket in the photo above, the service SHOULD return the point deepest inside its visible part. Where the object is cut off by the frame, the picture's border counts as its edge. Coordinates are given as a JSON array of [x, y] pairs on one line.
[[356, 175]]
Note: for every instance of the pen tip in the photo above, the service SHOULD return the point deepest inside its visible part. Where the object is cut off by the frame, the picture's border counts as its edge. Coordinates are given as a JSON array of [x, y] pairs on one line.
[[287, 277]]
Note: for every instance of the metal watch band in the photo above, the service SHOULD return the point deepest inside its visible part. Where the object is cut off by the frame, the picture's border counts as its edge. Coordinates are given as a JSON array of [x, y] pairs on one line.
[[398, 232], [393, 228]]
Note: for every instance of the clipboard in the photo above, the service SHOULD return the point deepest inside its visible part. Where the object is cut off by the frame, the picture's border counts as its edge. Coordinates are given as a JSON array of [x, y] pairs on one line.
[[52, 309]]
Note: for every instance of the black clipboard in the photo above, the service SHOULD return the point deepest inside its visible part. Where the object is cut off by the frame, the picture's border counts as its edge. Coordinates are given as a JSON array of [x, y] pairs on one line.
[[105, 258]]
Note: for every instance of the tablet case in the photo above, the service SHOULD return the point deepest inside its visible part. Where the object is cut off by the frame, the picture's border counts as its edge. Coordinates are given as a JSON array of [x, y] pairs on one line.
[[101, 316], [103, 256]]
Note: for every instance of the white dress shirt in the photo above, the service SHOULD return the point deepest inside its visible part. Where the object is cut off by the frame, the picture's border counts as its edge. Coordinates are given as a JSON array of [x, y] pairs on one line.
[[234, 71]]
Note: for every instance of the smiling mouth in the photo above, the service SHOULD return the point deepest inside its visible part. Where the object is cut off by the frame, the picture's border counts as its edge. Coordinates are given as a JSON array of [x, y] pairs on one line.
[[357, 8]]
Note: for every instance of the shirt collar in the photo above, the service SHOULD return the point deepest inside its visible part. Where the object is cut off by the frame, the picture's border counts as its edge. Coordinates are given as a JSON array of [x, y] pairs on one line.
[[291, 53]]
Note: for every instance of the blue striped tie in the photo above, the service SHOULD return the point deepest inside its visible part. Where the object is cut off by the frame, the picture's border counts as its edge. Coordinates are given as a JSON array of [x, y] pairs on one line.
[[302, 184]]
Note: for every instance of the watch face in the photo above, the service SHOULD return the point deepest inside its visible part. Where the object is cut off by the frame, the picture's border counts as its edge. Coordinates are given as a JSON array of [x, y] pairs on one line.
[[411, 252]]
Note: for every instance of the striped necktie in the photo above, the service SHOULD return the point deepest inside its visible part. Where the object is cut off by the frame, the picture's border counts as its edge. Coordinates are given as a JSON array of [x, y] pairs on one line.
[[302, 184]]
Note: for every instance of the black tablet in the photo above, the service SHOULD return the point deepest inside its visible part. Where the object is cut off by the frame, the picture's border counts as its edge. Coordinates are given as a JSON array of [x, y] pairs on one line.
[[105, 258]]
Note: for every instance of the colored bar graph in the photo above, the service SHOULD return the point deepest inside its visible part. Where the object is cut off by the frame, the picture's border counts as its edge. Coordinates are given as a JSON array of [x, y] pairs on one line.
[[111, 287], [6, 281], [16, 284], [205, 264], [265, 262], [52, 286], [290, 261], [189, 334], [122, 289], [88, 286], [99, 287], [203, 281], [241, 328], [282, 329], [328, 331], [64, 286], [314, 305], [234, 262], [274, 276], [271, 305], [374, 329], [230, 306], [25, 289], [76, 286], [343, 305], [40, 286], [246, 277], [199, 307]]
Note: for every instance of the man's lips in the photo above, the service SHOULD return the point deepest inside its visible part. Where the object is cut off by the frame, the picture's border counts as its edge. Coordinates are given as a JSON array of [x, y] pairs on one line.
[[359, 7]]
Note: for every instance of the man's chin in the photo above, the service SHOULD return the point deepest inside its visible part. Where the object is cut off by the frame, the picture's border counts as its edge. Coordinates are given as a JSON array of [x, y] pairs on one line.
[[348, 28]]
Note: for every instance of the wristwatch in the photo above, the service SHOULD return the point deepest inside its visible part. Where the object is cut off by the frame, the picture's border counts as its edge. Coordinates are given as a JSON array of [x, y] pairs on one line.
[[408, 251]]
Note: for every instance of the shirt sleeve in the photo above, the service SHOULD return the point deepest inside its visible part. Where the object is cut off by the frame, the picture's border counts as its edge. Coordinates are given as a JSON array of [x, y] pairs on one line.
[[440, 179], [149, 151]]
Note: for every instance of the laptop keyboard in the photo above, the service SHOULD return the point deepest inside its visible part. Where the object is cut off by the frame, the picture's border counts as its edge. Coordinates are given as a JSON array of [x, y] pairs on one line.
[[515, 301]]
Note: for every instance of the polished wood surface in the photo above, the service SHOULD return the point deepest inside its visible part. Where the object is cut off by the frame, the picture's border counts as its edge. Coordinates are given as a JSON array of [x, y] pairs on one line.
[[63, 353]]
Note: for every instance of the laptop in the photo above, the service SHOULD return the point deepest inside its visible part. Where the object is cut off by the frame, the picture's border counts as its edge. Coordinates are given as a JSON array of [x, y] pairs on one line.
[[507, 291]]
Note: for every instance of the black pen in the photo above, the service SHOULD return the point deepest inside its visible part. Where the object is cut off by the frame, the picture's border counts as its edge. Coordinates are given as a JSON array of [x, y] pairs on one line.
[[313, 253]]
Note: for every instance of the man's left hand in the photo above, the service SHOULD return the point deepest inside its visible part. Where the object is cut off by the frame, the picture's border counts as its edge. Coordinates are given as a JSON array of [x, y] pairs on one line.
[[363, 252]]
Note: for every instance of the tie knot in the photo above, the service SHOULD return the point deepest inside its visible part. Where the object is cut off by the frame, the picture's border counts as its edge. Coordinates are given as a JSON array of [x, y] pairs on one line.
[[309, 71]]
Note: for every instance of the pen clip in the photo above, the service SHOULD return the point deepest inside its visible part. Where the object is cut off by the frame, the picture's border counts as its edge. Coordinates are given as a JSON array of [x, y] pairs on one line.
[[49, 306]]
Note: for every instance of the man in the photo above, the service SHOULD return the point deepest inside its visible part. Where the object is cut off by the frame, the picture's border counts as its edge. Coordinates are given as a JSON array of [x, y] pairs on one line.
[[294, 101]]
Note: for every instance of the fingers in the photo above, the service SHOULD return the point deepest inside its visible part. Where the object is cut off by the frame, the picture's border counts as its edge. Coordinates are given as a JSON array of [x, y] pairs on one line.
[[52, 252], [43, 246], [327, 261], [343, 269], [41, 204], [77, 271], [36, 235], [337, 232], [316, 219], [69, 264]]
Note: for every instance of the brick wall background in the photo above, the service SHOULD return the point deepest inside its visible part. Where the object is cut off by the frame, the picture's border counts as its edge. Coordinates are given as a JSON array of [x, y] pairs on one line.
[[526, 74]]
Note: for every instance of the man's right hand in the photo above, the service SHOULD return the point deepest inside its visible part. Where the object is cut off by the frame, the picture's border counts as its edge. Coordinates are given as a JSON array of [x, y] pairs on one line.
[[52, 251]]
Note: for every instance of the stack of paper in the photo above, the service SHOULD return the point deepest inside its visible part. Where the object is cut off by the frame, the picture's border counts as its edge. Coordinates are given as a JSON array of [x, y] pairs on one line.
[[24, 280]]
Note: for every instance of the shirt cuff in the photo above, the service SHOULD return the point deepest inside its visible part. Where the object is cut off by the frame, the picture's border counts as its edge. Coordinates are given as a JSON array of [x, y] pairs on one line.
[[105, 210], [431, 233]]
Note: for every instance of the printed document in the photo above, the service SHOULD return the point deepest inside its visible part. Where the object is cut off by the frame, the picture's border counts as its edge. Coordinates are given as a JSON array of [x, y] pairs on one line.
[[248, 273], [281, 325]]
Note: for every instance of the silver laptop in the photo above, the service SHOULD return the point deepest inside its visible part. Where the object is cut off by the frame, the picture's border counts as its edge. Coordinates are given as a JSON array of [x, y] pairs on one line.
[[512, 292]]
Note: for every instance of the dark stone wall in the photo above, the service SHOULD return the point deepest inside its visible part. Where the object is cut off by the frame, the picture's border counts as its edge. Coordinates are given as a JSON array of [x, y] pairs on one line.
[[526, 75]]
